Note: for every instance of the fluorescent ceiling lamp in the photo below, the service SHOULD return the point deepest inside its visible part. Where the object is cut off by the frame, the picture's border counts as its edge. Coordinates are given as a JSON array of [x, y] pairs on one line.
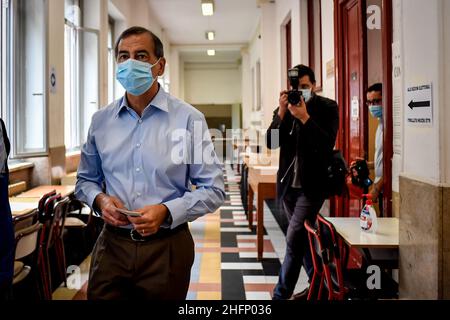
[[211, 52], [207, 7], [210, 35]]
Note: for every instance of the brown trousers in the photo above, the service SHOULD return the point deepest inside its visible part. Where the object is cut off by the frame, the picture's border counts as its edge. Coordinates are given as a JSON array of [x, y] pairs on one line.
[[159, 269]]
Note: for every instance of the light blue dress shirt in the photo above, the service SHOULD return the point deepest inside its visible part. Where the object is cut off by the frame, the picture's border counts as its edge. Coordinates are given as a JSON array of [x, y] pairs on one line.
[[137, 159]]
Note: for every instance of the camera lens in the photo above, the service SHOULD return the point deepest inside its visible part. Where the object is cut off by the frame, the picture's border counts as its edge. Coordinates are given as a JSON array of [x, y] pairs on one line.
[[294, 97]]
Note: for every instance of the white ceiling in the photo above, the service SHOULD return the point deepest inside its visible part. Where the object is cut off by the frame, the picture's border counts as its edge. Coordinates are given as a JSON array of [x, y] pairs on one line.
[[234, 23]]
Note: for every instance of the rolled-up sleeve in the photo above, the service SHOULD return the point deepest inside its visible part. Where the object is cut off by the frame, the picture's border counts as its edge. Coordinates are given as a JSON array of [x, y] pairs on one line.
[[90, 175], [206, 175]]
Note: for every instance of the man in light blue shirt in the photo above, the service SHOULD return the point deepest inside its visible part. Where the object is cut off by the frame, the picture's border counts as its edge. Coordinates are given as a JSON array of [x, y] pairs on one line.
[[143, 153]]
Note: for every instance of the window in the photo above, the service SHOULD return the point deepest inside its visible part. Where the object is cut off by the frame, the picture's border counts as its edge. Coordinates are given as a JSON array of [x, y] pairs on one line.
[[315, 39], [81, 72], [111, 62], [3, 78], [26, 59]]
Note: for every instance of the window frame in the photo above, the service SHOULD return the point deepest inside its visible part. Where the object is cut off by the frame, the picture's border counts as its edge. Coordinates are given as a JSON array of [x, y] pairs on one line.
[[112, 29], [11, 93], [3, 62], [81, 126]]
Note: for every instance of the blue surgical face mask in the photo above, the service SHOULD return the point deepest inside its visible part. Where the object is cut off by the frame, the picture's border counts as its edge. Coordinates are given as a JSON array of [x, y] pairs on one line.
[[135, 76], [376, 111], [307, 94]]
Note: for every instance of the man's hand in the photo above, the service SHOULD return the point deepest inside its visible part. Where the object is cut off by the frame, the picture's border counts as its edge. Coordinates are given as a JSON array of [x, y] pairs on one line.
[[283, 104], [152, 218], [300, 112], [375, 190], [107, 206]]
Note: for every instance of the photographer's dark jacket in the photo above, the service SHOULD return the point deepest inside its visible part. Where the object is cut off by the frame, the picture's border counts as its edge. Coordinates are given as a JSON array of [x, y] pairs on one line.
[[6, 227], [312, 142]]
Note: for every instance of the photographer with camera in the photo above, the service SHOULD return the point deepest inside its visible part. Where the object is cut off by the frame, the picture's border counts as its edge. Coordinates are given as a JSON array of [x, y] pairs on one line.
[[304, 126]]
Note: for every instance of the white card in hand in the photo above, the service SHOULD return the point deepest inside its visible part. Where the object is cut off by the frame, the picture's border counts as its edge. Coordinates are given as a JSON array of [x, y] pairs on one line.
[[129, 213]]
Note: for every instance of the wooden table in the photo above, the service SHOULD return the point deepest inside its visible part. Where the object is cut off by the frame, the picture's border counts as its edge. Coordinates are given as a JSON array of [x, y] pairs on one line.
[[387, 236], [38, 192], [69, 179], [263, 181], [22, 206]]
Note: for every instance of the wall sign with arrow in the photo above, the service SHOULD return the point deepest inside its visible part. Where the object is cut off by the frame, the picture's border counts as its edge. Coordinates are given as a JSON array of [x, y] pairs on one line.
[[419, 111]]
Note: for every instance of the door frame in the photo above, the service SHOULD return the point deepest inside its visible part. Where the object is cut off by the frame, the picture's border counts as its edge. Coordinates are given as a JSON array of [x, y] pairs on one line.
[[338, 205], [388, 153]]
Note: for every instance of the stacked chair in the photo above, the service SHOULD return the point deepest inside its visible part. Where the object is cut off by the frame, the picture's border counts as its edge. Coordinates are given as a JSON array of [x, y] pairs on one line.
[[331, 279], [40, 242]]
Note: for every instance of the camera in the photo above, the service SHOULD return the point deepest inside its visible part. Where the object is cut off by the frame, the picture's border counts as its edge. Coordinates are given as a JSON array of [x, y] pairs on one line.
[[294, 95], [360, 174]]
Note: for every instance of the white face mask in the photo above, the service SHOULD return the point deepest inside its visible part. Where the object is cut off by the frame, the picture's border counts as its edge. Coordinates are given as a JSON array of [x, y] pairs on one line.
[[307, 94]]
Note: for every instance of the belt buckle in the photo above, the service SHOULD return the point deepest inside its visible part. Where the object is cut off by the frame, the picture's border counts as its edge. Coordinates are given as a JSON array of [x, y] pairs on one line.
[[134, 238]]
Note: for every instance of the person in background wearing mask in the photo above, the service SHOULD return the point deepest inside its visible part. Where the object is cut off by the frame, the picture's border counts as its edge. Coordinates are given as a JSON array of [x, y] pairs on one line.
[[375, 104], [307, 135], [129, 161], [6, 226]]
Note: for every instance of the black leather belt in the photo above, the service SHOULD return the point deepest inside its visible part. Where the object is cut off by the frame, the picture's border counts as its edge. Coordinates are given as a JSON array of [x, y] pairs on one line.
[[134, 235]]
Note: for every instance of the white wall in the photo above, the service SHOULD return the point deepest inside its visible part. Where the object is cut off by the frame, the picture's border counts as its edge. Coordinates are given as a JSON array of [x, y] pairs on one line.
[[249, 103], [445, 89], [213, 84], [422, 65], [246, 88], [236, 116], [329, 84], [270, 62], [174, 72], [55, 59]]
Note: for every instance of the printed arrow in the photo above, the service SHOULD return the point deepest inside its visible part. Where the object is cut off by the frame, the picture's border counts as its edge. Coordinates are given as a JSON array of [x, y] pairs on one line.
[[419, 104]]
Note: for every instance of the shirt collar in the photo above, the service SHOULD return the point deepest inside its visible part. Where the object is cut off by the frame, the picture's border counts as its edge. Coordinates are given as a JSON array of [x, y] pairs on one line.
[[160, 101]]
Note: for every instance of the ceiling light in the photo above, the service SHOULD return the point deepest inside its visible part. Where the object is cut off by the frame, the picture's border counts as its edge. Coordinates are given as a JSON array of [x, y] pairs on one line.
[[210, 35], [207, 7], [211, 52]]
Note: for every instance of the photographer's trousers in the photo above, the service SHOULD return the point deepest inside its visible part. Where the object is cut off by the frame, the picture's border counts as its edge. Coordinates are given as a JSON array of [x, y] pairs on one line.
[[298, 208]]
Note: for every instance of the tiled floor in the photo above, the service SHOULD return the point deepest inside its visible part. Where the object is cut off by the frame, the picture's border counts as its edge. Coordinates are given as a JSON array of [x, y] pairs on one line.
[[225, 265]]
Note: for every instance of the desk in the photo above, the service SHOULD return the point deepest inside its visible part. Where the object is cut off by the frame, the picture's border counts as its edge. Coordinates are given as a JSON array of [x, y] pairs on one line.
[[38, 192], [387, 236], [22, 206], [69, 179], [263, 181]]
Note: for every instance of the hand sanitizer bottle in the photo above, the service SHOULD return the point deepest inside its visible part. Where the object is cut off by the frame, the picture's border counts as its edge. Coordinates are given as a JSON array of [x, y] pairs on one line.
[[368, 217]]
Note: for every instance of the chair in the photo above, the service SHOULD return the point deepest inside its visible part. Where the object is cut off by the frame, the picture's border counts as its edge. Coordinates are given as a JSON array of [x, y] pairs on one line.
[[333, 269], [79, 220], [327, 266], [45, 207], [317, 255], [41, 204], [26, 245], [26, 220], [55, 237]]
